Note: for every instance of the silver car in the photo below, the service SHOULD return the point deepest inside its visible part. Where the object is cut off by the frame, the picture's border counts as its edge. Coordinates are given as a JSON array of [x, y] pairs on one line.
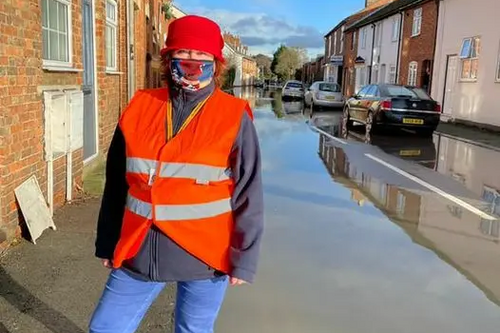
[[325, 94], [293, 89]]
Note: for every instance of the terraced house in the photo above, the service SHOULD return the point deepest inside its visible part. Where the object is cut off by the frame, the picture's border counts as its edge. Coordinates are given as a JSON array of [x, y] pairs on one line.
[[396, 43], [67, 69]]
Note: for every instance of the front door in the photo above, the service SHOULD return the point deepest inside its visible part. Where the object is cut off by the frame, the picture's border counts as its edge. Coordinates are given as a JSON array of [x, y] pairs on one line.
[[89, 109], [449, 84]]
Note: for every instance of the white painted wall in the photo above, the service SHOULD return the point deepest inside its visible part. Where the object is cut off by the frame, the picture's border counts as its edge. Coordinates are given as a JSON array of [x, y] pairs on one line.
[[476, 100], [364, 51], [386, 50]]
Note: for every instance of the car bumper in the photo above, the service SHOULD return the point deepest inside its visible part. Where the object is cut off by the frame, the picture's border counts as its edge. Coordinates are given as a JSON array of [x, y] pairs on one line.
[[329, 103], [412, 120], [293, 94]]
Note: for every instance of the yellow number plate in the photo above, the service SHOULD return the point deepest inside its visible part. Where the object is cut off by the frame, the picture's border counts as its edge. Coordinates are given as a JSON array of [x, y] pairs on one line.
[[330, 97], [413, 121], [409, 152]]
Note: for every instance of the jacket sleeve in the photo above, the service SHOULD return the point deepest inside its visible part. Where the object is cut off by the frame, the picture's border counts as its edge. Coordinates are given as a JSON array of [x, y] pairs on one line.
[[114, 198], [247, 201]]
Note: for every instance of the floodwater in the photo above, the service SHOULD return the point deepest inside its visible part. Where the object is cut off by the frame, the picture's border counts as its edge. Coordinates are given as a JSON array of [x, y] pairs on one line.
[[391, 234]]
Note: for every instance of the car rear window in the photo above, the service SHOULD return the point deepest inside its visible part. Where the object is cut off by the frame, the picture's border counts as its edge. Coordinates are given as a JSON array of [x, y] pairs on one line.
[[402, 91], [294, 85], [331, 87]]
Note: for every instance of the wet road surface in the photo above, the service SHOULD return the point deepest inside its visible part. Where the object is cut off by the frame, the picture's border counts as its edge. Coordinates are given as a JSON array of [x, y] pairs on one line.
[[391, 234]]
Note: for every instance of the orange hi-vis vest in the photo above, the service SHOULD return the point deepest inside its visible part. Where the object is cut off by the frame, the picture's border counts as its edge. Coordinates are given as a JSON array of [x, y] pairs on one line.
[[182, 184]]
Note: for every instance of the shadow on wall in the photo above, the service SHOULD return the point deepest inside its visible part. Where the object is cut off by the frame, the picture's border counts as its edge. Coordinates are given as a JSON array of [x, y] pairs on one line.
[[30, 305]]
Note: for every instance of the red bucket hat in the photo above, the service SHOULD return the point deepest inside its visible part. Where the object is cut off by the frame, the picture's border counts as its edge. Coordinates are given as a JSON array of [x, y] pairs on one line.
[[193, 32]]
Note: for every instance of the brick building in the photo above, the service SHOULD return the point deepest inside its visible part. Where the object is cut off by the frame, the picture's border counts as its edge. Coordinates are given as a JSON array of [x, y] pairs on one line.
[[67, 69], [246, 65], [418, 47], [340, 58], [313, 70], [395, 44]]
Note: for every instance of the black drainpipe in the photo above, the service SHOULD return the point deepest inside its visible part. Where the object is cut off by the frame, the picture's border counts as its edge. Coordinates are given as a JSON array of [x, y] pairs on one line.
[[373, 50], [398, 59]]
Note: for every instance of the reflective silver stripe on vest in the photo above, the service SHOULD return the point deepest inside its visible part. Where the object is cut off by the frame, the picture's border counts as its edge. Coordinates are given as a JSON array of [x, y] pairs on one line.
[[179, 212], [139, 207], [140, 165], [195, 171], [192, 211]]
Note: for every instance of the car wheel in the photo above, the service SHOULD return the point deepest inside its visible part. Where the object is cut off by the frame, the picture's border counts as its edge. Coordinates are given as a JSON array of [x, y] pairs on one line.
[[369, 124], [347, 117]]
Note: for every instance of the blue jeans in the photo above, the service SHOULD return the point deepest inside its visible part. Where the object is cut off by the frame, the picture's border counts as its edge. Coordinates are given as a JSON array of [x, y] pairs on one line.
[[126, 300]]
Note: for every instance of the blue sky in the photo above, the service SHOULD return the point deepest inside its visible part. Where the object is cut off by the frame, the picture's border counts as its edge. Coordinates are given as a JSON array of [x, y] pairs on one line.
[[264, 24]]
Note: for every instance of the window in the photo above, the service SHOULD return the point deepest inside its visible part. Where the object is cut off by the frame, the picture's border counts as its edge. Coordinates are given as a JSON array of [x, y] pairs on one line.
[[392, 74], [402, 91], [417, 22], [395, 29], [412, 73], [401, 203], [331, 87], [362, 76], [378, 34], [342, 40], [56, 32], [111, 30], [329, 45], [353, 41], [335, 43], [364, 35], [469, 56]]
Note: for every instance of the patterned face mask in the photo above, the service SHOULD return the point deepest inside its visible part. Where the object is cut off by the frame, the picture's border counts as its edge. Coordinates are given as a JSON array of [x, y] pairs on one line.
[[191, 74]]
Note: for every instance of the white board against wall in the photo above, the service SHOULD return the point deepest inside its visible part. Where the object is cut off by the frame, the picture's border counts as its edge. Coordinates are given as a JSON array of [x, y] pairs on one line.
[[34, 208]]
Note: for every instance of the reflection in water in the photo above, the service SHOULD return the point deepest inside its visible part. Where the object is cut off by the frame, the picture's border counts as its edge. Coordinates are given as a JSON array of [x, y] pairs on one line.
[[462, 239]]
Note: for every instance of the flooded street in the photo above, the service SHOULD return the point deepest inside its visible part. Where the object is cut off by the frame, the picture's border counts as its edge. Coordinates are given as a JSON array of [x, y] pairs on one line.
[[391, 233]]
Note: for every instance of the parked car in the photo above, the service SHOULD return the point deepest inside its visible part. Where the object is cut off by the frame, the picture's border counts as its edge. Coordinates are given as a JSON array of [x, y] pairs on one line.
[[388, 105], [293, 89], [325, 94]]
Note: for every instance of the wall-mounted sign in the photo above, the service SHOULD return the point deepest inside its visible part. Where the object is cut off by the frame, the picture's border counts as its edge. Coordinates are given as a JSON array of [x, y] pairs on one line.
[[337, 59]]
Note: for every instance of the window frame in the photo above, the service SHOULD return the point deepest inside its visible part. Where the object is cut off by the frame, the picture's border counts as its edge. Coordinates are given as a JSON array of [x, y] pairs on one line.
[[472, 54], [58, 64], [353, 40], [395, 29], [417, 22], [113, 24], [364, 34], [392, 73], [412, 74]]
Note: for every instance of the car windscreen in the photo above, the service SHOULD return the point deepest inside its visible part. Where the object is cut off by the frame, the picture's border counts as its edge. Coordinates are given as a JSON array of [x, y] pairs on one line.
[[330, 87], [294, 85], [407, 92]]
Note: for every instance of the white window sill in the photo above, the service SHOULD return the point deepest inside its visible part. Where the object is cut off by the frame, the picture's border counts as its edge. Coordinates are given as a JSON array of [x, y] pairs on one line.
[[416, 35], [113, 72], [467, 80], [50, 68]]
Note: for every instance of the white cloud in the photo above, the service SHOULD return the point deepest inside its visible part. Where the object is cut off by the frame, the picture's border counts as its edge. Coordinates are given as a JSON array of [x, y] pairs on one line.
[[262, 32]]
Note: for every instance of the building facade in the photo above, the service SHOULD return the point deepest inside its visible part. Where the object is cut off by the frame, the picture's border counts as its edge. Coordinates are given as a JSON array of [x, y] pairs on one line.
[[396, 44], [467, 62], [238, 56], [67, 70], [334, 54]]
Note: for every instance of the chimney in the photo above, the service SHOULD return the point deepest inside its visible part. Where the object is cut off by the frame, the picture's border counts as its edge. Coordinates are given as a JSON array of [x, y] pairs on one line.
[[370, 2]]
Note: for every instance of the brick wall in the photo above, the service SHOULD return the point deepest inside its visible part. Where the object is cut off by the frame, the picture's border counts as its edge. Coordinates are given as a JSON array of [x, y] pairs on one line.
[[349, 60], [22, 80], [112, 87], [419, 48]]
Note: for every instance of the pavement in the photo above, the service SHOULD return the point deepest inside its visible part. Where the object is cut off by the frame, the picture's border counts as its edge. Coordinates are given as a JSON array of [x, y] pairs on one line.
[[53, 286], [392, 234]]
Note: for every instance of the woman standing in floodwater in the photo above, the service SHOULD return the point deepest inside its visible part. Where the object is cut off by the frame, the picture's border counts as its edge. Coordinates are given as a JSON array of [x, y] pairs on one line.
[[183, 198]]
